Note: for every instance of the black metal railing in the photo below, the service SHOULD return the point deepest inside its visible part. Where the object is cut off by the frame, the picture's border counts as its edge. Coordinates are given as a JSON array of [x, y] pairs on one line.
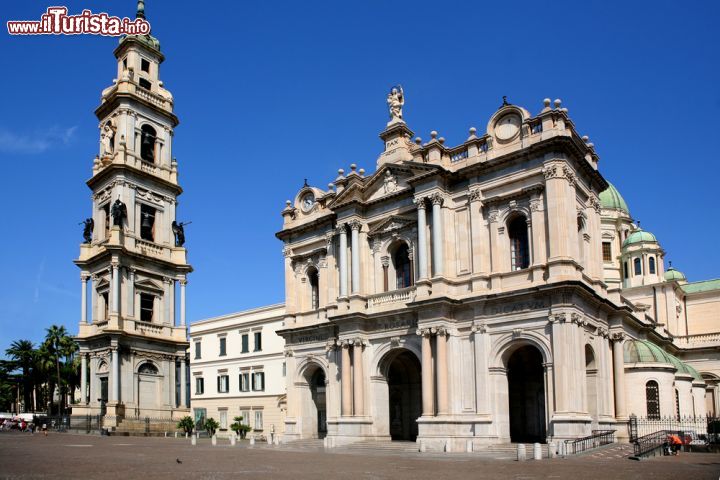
[[703, 428], [597, 439]]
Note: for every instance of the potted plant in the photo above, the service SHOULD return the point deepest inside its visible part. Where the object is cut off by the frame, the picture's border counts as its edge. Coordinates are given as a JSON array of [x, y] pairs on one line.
[[186, 424], [240, 428]]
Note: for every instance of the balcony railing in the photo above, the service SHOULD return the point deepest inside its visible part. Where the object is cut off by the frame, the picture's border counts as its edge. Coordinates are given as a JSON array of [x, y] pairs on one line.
[[402, 295], [703, 339], [149, 248], [150, 96]]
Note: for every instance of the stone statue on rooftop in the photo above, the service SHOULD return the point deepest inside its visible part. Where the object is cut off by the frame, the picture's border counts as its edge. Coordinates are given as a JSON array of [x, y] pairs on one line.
[[395, 101]]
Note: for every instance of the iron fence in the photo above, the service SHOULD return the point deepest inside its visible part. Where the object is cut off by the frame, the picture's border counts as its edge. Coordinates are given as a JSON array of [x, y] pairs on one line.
[[701, 428]]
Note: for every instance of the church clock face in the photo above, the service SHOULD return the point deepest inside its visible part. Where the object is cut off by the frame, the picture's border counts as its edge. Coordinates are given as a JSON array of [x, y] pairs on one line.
[[307, 202], [507, 127]]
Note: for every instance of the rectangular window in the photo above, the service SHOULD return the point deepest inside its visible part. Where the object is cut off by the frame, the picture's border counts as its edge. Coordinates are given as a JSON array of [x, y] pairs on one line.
[[244, 382], [147, 304], [198, 350], [259, 381], [245, 344], [199, 385], [223, 344], [258, 341], [638, 266], [607, 251], [145, 84], [284, 369], [223, 383], [147, 222], [625, 270], [106, 305], [223, 419], [258, 420], [246, 417], [145, 65]]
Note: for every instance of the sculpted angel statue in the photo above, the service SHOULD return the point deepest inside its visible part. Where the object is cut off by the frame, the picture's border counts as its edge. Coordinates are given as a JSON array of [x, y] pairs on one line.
[[395, 101], [107, 139]]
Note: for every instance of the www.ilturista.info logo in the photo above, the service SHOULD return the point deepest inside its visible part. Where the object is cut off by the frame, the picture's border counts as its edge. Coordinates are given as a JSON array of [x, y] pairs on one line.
[[56, 21]]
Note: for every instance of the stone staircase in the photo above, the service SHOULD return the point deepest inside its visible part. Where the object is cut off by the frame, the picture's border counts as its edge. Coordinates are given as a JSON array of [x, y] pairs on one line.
[[140, 428], [312, 444], [380, 446], [508, 451]]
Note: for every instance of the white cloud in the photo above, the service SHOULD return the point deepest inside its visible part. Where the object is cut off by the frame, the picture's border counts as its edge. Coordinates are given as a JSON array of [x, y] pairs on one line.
[[36, 142]]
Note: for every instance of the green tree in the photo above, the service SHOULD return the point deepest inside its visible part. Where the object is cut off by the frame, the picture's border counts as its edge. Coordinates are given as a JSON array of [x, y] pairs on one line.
[[23, 354], [186, 424], [240, 428], [56, 340], [211, 425]]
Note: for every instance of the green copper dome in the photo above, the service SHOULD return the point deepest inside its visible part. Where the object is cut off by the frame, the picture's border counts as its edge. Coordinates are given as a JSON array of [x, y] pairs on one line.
[[642, 351], [672, 275], [639, 236], [612, 200]]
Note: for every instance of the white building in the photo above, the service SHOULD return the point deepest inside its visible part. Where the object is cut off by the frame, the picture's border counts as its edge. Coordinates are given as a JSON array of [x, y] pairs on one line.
[[238, 369]]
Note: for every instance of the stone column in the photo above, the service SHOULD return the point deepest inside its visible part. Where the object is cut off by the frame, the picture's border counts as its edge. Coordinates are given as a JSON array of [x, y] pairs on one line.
[[427, 374], [562, 364], [83, 298], [478, 242], [442, 371], [619, 375], [115, 374], [167, 300], [358, 395], [355, 252], [437, 234], [115, 304], [131, 292], [496, 260], [93, 299], [422, 238], [537, 218], [83, 379], [345, 379], [183, 382], [183, 283], [343, 262]]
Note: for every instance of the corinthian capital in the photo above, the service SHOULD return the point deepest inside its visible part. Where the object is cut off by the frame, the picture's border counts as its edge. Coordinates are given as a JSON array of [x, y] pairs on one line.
[[474, 195], [437, 198], [355, 225], [419, 202]]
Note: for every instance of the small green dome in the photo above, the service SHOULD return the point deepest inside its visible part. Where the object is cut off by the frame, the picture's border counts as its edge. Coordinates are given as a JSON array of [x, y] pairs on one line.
[[639, 236], [642, 351], [672, 275], [612, 200]]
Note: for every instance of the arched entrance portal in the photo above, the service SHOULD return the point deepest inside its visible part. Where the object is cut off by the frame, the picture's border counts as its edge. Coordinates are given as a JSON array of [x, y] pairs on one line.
[[317, 392], [526, 389], [404, 395]]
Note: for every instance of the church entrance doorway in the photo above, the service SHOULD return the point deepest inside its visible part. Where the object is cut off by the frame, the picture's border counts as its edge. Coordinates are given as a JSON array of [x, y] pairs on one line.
[[404, 395], [526, 389], [317, 392]]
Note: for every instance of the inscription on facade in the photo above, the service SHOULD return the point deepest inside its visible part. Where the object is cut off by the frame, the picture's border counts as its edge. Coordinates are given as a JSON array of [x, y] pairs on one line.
[[394, 323], [517, 307]]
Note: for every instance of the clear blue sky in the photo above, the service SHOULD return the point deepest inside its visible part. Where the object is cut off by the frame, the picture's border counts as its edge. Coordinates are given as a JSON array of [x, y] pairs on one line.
[[270, 93]]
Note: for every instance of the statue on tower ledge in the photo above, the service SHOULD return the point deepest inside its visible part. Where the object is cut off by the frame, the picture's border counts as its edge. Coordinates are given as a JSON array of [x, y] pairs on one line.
[[106, 139], [118, 212], [89, 224], [395, 101]]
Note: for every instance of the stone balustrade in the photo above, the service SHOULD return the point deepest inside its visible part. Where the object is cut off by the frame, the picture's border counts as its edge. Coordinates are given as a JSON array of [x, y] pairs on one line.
[[703, 339], [402, 295]]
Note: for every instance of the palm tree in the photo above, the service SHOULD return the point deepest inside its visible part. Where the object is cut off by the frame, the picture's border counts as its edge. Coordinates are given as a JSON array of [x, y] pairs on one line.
[[71, 368], [23, 354], [54, 339], [44, 366]]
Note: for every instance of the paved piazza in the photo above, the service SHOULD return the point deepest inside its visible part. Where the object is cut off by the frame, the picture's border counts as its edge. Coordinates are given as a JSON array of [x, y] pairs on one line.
[[86, 456]]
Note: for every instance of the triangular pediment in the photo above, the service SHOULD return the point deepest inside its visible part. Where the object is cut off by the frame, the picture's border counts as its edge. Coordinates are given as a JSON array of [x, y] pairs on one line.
[[148, 284], [391, 224]]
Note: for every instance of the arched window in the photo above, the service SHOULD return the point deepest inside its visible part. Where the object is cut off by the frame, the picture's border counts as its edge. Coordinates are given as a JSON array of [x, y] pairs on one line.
[[651, 265], [403, 267], [147, 143], [638, 266], [519, 256], [652, 400], [313, 280], [148, 368]]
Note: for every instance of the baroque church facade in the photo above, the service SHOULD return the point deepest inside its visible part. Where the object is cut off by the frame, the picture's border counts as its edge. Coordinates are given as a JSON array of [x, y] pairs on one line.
[[490, 292], [133, 343]]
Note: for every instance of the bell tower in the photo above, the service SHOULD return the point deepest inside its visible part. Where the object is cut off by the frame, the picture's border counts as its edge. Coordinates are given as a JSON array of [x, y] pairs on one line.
[[132, 333]]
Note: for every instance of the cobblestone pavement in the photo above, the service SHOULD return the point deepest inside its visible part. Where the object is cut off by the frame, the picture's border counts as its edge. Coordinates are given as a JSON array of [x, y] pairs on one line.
[[59, 456]]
